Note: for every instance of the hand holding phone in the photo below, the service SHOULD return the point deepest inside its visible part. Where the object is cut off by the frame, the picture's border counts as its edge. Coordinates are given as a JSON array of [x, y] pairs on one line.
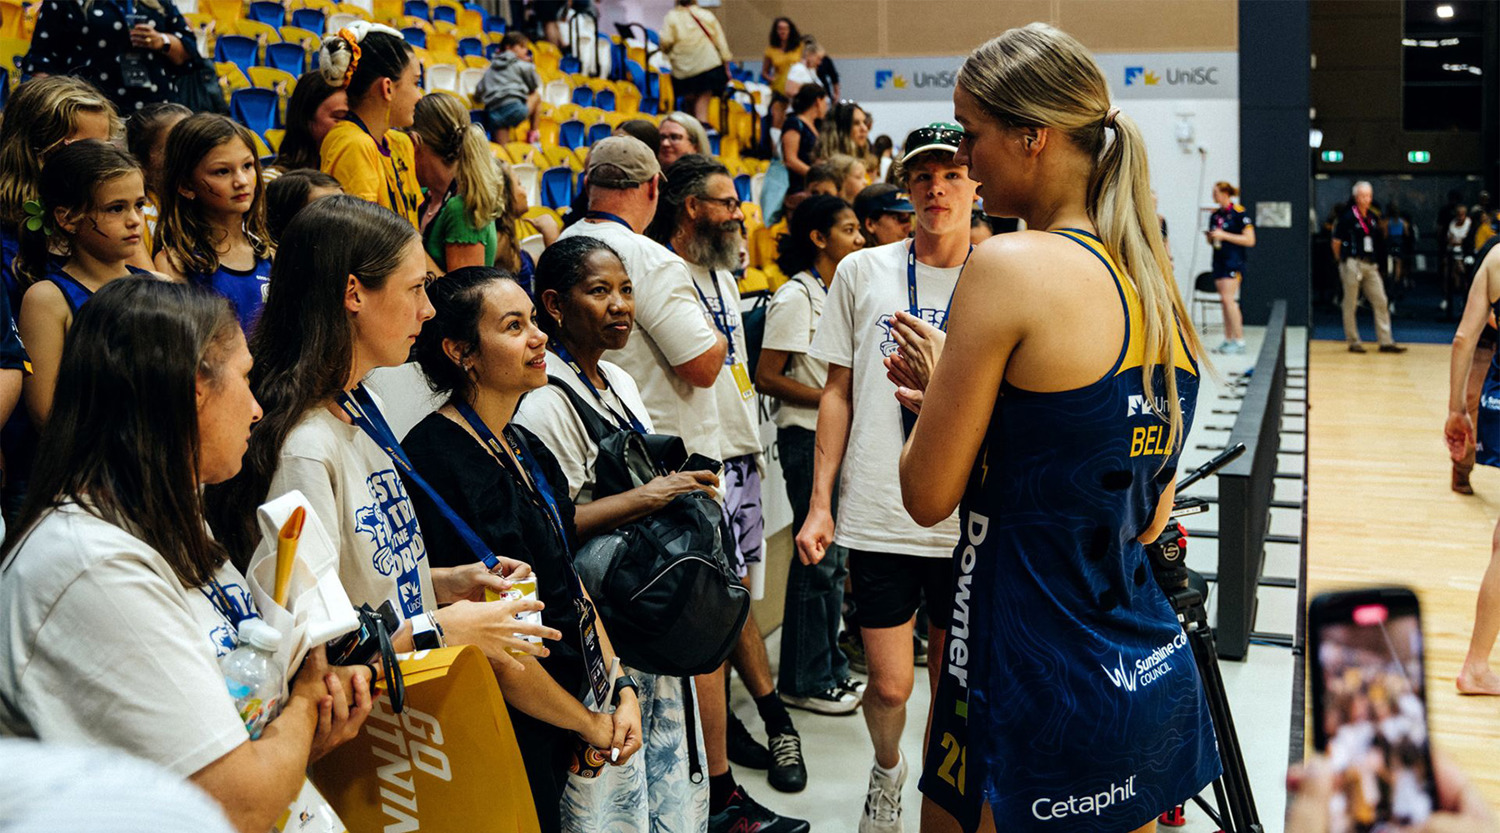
[[1370, 709], [699, 462]]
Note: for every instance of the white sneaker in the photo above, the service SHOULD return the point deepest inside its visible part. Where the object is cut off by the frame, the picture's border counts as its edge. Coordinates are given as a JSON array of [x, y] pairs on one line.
[[883, 802]]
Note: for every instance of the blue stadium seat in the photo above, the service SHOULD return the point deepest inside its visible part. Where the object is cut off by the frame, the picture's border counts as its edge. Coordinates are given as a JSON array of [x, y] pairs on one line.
[[571, 134], [312, 20], [605, 100], [742, 187], [288, 56], [268, 12], [557, 187], [651, 35], [713, 141], [599, 130], [416, 8], [470, 46], [477, 117], [415, 36], [238, 49], [583, 96], [255, 108], [494, 24], [570, 64], [446, 14]]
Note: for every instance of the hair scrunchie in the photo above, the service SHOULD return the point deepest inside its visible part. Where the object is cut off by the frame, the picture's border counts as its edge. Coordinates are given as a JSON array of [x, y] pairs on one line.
[[1109, 117], [340, 52]]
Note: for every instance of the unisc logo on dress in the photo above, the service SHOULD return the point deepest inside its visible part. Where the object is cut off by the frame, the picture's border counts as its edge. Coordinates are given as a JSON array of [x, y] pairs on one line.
[[1199, 76]]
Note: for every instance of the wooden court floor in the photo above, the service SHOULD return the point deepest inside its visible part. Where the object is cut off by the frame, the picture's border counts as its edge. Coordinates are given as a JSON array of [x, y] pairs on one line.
[[1380, 511]]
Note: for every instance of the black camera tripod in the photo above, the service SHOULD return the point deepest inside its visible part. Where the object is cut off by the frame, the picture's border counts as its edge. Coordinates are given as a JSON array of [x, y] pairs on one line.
[[1235, 812]]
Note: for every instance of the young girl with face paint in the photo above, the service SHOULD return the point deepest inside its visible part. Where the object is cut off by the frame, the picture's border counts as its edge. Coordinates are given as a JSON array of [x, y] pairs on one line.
[[79, 235], [212, 229]]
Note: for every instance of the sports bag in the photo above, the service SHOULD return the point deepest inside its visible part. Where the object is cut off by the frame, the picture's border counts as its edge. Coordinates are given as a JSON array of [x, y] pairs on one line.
[[662, 583]]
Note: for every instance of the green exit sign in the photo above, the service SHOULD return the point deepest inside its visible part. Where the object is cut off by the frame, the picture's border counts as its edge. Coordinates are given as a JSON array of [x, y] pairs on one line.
[[1333, 156], [1418, 157]]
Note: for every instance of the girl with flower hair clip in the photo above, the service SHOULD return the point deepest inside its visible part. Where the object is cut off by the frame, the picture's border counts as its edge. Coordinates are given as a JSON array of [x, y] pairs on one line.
[[367, 152]]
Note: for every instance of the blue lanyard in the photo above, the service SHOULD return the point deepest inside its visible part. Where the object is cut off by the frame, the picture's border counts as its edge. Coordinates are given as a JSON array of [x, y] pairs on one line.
[[813, 270], [721, 318], [911, 284], [363, 413], [605, 215], [629, 420], [539, 485]]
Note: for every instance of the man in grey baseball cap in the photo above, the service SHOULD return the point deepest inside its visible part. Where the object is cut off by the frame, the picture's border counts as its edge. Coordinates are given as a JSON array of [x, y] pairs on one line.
[[620, 162]]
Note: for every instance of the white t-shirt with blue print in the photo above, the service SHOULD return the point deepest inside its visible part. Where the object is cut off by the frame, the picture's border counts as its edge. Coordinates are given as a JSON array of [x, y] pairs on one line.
[[855, 332], [102, 645], [353, 485]]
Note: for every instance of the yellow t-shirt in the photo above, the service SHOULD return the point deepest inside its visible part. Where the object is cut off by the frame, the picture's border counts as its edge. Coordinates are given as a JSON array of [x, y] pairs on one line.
[[782, 62], [388, 179], [1483, 236]]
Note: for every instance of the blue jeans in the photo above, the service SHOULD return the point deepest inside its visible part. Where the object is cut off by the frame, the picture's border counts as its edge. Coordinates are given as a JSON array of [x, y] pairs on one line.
[[810, 657], [507, 115]]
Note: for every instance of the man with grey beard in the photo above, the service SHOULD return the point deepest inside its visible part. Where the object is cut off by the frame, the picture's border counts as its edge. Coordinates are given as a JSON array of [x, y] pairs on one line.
[[699, 218]]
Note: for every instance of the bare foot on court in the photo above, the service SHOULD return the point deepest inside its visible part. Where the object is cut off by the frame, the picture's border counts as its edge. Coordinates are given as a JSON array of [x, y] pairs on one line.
[[1478, 681]]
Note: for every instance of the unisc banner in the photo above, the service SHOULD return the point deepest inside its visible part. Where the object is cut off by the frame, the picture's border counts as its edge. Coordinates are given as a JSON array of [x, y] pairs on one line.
[[1137, 75]]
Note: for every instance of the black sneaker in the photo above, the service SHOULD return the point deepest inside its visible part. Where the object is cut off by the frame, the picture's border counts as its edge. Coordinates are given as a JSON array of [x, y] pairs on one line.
[[788, 772], [744, 815], [745, 750], [853, 686], [834, 701]]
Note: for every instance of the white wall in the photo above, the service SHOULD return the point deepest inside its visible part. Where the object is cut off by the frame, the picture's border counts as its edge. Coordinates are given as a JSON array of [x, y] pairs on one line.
[[1175, 174]]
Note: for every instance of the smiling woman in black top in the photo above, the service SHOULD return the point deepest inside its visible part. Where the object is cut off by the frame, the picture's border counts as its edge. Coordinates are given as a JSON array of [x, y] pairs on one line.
[[484, 349]]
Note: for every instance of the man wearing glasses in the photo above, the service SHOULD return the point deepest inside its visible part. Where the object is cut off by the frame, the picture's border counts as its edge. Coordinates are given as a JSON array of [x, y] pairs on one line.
[[893, 561], [700, 220]]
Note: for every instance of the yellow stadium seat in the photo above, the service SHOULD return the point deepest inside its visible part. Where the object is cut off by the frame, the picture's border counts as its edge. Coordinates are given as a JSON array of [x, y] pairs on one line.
[[413, 21], [273, 137], [327, 6], [11, 49], [476, 62], [520, 152], [762, 247], [264, 32], [12, 20], [752, 214], [563, 112], [547, 130], [590, 116], [547, 48], [231, 77], [224, 11], [582, 155], [365, 13], [271, 78], [293, 34], [444, 27], [558, 156], [614, 117], [470, 23], [754, 281], [198, 20], [385, 9], [443, 43], [627, 98], [261, 149], [729, 149], [541, 211]]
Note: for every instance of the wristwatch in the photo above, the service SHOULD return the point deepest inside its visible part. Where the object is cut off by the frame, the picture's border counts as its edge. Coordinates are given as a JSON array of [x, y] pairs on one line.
[[623, 682], [166, 43], [426, 633]]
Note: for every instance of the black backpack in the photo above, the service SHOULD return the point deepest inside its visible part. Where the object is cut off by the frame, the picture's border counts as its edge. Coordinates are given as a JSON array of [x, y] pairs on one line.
[[663, 584]]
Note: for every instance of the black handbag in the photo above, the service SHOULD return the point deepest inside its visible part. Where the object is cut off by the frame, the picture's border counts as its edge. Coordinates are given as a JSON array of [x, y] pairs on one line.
[[663, 584], [198, 84]]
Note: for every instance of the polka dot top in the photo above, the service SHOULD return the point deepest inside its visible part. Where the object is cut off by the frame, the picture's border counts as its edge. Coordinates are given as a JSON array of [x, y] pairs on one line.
[[94, 44]]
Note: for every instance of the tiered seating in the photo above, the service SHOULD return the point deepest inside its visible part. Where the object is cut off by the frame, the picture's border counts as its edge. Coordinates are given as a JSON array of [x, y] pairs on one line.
[[260, 47]]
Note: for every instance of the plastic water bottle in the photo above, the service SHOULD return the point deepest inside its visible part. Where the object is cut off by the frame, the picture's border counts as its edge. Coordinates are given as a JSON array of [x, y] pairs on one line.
[[253, 675]]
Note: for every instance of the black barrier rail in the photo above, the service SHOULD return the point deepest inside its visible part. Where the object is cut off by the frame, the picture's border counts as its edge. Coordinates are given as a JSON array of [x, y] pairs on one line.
[[1246, 487]]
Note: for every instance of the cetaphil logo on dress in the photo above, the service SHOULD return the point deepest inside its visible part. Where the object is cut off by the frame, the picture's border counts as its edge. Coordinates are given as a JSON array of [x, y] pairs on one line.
[[1089, 804], [1147, 669]]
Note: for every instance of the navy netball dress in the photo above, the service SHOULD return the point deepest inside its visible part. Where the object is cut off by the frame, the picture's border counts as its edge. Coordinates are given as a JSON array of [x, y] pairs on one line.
[[245, 289], [1068, 698], [1229, 258]]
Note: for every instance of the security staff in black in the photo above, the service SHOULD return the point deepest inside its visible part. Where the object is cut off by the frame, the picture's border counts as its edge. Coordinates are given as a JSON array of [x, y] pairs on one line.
[[1358, 246]]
